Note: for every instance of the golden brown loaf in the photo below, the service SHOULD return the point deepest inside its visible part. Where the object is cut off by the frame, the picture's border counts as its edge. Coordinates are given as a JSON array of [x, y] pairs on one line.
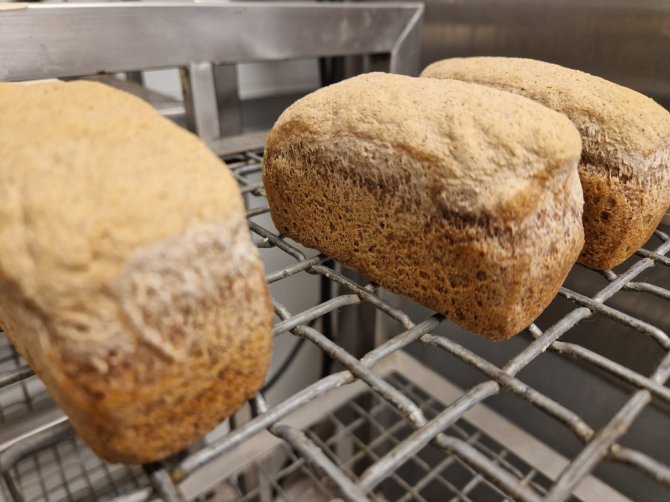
[[128, 279], [458, 196], [625, 165]]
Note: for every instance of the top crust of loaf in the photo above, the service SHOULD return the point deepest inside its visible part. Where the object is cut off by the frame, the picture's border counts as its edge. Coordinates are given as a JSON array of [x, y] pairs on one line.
[[75, 207], [440, 123], [622, 129]]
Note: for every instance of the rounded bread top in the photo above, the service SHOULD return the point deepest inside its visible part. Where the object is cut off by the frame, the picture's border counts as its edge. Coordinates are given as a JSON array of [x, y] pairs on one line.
[[618, 125], [486, 147], [88, 176]]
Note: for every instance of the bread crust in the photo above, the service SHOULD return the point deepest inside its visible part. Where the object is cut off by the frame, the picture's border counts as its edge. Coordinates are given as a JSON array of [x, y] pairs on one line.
[[130, 283], [462, 198], [625, 164]]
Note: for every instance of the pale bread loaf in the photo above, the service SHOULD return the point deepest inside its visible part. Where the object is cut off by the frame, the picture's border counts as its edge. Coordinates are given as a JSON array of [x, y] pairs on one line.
[[625, 165], [458, 196], [128, 279]]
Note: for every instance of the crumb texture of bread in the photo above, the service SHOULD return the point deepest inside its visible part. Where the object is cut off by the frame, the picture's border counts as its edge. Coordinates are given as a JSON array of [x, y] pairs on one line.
[[625, 164], [460, 197], [129, 280]]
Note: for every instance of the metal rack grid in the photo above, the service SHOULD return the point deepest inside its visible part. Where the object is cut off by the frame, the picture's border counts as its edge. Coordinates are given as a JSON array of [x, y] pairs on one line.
[[357, 434], [435, 429], [68, 470]]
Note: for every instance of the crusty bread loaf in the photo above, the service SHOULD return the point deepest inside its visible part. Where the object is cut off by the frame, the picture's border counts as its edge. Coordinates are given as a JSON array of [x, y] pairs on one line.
[[625, 165], [128, 279], [458, 196]]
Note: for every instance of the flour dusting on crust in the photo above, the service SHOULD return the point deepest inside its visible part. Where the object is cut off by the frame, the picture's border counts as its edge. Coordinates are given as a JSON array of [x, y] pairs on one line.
[[175, 278]]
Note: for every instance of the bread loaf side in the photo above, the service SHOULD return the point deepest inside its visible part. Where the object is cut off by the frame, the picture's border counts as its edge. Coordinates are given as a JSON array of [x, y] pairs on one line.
[[460, 197], [128, 279], [625, 164]]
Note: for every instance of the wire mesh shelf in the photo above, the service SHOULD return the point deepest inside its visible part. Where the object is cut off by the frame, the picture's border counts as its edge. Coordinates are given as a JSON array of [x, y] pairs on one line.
[[69, 470], [359, 433], [404, 443]]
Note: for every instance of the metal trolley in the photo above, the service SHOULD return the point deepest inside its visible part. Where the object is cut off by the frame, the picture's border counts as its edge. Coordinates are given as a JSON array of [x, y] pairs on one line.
[[381, 425]]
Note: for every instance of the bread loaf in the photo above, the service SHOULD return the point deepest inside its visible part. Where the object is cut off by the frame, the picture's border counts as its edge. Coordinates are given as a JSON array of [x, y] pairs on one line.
[[625, 164], [460, 197], [128, 279]]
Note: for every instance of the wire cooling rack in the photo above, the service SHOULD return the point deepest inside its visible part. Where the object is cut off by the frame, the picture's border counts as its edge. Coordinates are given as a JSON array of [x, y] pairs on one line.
[[435, 426], [361, 431]]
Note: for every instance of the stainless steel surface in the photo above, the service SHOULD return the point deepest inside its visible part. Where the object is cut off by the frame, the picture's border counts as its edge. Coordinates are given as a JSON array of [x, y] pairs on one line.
[[599, 442], [622, 40], [213, 108], [165, 105], [241, 142], [228, 100], [85, 39], [200, 100]]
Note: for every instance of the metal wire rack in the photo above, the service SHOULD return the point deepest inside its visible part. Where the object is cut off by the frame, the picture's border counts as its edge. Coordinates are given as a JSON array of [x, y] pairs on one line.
[[426, 424], [357, 434]]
